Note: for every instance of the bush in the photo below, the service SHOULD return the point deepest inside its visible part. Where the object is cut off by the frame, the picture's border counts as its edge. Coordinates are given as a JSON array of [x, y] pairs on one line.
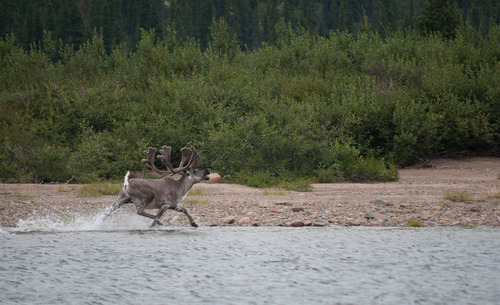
[[41, 162], [350, 106]]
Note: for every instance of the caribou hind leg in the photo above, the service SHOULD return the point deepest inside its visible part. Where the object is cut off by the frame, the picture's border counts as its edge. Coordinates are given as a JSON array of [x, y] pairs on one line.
[[122, 199], [156, 218], [116, 205], [140, 210]]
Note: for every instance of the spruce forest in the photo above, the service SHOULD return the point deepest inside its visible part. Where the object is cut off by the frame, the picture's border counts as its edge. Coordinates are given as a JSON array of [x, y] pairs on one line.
[[269, 92]]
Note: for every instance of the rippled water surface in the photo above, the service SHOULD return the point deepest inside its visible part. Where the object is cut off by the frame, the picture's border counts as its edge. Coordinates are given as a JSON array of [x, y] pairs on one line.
[[271, 265]]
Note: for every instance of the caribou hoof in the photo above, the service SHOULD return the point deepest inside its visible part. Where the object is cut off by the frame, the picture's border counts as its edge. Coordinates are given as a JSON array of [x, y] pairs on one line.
[[194, 224], [156, 222]]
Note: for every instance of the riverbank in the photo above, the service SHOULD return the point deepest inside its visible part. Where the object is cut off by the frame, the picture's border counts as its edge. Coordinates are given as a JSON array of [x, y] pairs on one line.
[[454, 192]]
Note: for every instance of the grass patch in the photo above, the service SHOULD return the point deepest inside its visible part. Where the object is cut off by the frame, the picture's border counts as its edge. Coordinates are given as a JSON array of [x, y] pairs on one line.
[[98, 189], [196, 192], [458, 196], [468, 227], [23, 196], [65, 189], [17, 195], [494, 195], [299, 185], [196, 201], [414, 223]]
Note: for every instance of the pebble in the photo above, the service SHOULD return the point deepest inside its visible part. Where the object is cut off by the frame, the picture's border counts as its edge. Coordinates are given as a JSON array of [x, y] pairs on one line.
[[229, 219], [244, 221], [297, 209], [319, 223], [378, 201], [369, 215]]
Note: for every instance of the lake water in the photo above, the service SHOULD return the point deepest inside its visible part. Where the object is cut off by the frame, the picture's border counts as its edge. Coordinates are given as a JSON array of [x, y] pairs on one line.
[[80, 264]]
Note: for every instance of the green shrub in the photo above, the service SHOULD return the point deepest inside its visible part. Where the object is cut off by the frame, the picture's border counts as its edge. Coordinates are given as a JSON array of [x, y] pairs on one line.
[[371, 169], [41, 162], [350, 106], [415, 223], [458, 196]]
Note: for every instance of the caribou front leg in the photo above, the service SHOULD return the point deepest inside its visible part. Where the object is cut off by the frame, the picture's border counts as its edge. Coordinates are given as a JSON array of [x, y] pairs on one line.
[[191, 219]]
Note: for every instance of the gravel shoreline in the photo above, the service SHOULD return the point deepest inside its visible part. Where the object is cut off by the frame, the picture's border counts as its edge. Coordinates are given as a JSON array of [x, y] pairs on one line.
[[416, 199]]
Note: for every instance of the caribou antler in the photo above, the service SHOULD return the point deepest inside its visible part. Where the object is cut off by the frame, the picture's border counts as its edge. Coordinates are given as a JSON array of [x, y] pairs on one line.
[[164, 156], [150, 155], [187, 153], [196, 161]]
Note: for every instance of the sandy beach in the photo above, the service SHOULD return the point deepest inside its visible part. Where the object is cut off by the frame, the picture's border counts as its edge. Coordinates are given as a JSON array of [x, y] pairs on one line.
[[454, 192]]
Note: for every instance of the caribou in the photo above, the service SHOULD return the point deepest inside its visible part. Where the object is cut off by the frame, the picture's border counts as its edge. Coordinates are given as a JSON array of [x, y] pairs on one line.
[[167, 192]]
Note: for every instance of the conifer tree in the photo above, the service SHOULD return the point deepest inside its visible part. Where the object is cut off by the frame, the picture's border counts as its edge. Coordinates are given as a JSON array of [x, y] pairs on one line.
[[49, 17], [439, 16], [32, 30]]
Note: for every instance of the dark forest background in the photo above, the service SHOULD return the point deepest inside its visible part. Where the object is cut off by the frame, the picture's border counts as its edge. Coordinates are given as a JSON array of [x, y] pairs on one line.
[[269, 92], [252, 21]]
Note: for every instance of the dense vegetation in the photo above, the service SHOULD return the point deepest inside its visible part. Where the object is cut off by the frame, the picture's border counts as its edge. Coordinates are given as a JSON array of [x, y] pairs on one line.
[[348, 105]]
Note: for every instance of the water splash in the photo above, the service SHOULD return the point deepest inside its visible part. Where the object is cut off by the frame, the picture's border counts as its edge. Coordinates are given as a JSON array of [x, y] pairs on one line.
[[79, 222]]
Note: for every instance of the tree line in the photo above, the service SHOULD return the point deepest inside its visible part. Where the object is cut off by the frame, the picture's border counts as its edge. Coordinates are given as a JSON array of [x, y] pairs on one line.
[[251, 21]]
